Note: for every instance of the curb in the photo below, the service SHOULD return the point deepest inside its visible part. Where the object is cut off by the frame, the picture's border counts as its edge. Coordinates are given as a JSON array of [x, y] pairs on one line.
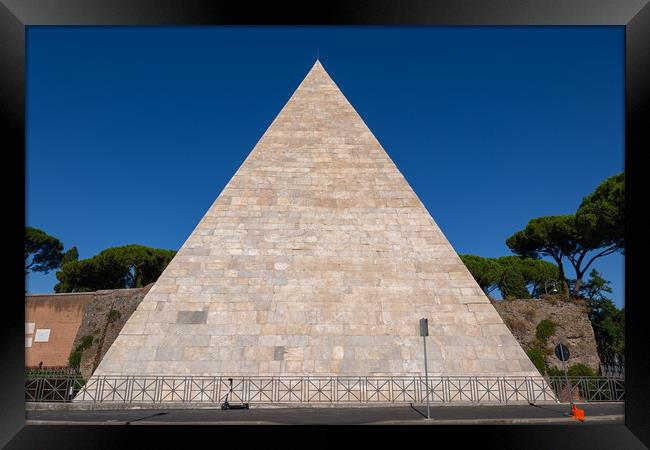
[[535, 421], [521, 421], [144, 422]]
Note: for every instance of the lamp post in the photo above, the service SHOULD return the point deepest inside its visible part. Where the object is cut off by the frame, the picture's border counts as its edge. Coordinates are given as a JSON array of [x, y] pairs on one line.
[[554, 290]]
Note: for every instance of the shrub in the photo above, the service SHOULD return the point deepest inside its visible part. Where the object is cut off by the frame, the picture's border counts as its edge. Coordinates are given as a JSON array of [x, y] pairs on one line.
[[536, 356], [580, 370], [86, 342], [545, 330], [75, 357], [113, 315]]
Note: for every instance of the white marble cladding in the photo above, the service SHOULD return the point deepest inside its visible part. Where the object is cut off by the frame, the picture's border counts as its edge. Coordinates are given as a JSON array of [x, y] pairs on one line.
[[317, 258]]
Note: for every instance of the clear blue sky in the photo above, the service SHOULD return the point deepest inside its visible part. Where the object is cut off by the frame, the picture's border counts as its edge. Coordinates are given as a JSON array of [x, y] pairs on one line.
[[133, 132]]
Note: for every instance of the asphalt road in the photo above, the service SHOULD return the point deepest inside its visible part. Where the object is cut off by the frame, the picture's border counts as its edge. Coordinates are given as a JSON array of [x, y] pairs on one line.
[[611, 413]]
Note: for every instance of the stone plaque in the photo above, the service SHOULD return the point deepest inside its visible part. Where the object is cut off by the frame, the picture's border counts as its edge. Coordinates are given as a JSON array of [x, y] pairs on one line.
[[42, 335]]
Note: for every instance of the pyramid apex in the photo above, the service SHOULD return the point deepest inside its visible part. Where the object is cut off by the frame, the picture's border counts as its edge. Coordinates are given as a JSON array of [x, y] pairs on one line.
[[317, 65]]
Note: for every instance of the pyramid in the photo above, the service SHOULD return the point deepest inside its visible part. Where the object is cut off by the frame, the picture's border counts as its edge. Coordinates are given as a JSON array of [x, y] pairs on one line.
[[317, 259]]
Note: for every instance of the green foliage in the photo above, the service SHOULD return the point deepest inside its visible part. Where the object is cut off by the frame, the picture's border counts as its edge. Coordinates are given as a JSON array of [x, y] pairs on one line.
[[553, 236], [489, 273], [600, 219], [545, 330], [71, 255], [86, 342], [596, 287], [607, 320], [536, 272], [545, 236], [129, 266], [75, 356], [538, 275], [575, 370], [596, 230], [113, 315], [537, 357], [43, 252], [512, 284], [580, 370], [486, 271], [74, 360]]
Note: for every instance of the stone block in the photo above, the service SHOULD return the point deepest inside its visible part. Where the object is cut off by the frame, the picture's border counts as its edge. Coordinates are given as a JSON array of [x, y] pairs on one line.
[[192, 317]]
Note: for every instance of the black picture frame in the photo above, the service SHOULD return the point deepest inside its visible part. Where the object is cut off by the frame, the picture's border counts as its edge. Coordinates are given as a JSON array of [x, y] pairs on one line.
[[634, 15]]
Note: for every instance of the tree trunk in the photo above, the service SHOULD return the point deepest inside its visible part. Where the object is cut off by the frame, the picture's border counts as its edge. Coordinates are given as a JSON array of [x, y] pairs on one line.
[[576, 288], [560, 266]]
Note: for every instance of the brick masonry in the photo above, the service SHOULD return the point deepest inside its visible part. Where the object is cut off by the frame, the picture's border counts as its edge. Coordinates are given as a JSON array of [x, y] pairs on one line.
[[317, 258], [62, 315]]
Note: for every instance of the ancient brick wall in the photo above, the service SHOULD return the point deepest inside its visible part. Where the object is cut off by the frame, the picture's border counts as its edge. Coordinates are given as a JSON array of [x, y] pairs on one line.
[[104, 325], [573, 327], [62, 315]]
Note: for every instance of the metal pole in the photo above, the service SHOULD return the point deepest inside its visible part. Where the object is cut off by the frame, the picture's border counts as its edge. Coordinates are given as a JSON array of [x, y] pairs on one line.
[[426, 374], [566, 377]]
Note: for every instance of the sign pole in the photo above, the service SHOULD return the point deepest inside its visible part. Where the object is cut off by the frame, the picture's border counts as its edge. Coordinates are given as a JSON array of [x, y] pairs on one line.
[[566, 376], [424, 332], [426, 374]]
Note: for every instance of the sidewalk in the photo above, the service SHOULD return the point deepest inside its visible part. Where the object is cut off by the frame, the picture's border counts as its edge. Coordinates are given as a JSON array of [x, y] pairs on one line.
[[595, 413]]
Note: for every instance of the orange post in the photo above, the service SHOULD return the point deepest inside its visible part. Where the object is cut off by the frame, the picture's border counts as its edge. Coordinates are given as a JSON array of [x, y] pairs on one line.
[[578, 413]]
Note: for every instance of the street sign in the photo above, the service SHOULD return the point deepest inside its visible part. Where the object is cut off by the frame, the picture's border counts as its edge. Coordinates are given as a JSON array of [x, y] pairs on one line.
[[424, 327], [562, 352]]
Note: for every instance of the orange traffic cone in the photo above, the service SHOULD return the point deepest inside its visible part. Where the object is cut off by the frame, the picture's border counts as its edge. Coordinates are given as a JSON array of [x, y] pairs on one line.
[[578, 413]]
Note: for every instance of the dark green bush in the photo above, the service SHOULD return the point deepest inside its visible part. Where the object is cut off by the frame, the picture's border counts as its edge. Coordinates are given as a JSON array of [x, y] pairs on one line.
[[545, 330], [86, 342], [536, 355], [75, 357], [580, 370], [113, 315]]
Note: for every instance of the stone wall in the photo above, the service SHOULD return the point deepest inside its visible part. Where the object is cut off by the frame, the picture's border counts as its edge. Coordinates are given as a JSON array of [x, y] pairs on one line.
[[573, 327], [62, 315], [104, 326]]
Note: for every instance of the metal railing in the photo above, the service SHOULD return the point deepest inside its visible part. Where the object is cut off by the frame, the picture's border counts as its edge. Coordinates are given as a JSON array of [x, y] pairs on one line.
[[612, 370], [589, 389], [52, 372], [323, 390], [52, 389]]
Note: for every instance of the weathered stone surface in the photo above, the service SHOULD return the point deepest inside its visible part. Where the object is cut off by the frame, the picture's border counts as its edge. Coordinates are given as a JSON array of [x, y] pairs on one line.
[[191, 317], [317, 258], [573, 327], [104, 328]]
